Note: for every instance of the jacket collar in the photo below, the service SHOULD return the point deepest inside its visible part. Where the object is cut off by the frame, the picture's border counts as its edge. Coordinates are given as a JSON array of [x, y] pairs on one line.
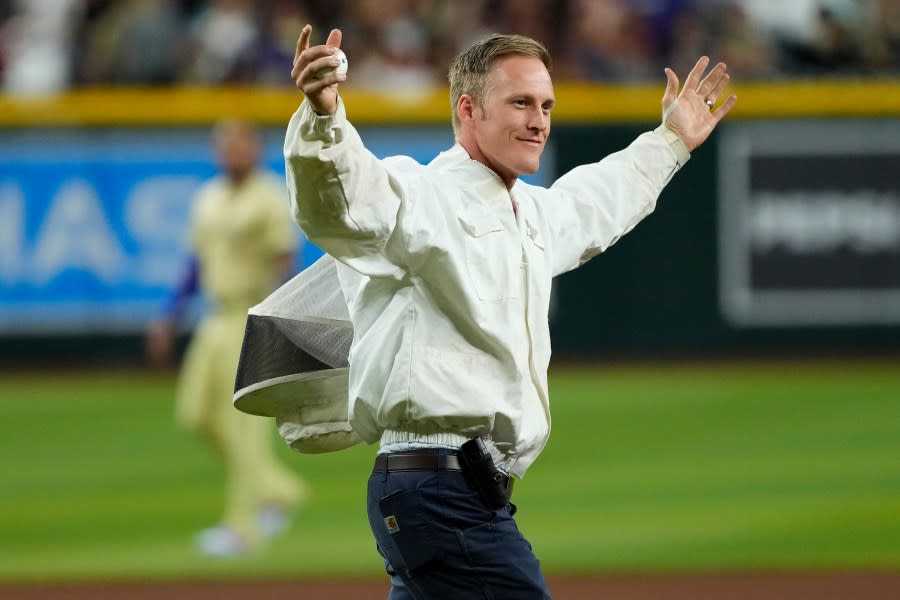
[[476, 175]]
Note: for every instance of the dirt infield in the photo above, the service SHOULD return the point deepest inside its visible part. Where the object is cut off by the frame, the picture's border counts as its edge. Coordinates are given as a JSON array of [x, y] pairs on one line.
[[736, 586]]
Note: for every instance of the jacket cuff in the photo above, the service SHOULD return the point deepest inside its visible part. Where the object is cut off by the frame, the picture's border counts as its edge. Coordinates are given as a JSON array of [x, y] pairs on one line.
[[682, 155], [315, 127]]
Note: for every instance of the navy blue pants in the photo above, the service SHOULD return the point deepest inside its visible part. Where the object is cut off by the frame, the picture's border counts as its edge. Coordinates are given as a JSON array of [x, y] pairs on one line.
[[439, 541]]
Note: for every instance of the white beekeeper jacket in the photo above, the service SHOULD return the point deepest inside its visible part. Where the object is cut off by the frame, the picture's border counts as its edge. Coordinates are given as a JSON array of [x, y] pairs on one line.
[[447, 285]]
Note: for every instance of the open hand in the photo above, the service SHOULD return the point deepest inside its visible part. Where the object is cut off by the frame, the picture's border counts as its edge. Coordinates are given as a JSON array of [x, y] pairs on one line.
[[321, 93], [690, 114]]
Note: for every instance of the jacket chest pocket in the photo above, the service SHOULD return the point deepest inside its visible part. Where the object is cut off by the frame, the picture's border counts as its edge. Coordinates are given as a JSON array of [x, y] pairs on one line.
[[492, 259]]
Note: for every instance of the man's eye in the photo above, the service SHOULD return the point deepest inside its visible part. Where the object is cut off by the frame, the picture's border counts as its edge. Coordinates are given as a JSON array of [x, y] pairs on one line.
[[520, 103]]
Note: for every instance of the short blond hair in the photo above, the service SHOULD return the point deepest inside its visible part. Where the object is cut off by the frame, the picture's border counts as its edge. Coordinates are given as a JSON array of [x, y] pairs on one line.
[[468, 71]]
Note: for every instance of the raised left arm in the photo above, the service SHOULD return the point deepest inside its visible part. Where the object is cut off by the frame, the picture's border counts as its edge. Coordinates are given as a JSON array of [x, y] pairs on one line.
[[690, 114]]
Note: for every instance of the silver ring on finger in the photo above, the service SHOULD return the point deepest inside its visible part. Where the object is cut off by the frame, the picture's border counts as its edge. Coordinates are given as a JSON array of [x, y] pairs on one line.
[[709, 103]]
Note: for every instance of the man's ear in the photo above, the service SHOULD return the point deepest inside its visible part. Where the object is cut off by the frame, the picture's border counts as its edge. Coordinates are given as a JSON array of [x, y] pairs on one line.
[[465, 108]]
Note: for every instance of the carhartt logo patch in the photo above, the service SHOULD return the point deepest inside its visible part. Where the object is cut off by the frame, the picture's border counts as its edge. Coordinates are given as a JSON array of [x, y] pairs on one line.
[[391, 523]]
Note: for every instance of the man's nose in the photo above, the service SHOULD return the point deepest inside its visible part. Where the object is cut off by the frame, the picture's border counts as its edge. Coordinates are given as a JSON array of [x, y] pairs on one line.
[[539, 120]]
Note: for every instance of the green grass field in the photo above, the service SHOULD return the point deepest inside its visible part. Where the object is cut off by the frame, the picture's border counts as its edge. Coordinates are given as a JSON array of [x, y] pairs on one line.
[[673, 467]]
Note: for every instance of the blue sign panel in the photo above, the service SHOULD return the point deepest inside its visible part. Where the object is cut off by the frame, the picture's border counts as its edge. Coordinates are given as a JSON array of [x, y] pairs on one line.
[[93, 223]]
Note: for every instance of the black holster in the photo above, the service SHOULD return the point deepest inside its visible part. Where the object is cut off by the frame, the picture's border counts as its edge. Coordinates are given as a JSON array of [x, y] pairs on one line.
[[478, 466]]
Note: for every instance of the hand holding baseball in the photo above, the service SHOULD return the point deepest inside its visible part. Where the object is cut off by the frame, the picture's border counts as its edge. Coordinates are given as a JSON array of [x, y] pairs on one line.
[[319, 69]]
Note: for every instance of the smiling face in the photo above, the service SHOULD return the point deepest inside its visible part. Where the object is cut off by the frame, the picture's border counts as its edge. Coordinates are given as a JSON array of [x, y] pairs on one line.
[[508, 130]]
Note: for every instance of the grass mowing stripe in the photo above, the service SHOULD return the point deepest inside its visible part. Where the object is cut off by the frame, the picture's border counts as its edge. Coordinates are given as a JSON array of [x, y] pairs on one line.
[[659, 467]]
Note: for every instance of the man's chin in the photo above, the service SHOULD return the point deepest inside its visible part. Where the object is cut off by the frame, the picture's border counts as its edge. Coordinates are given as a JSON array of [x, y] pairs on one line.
[[530, 168]]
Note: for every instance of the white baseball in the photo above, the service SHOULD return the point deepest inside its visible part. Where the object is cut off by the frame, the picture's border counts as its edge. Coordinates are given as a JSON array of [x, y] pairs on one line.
[[341, 68]]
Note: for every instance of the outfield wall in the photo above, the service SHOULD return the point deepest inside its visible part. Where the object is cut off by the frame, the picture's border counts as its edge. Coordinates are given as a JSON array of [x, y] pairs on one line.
[[751, 248], [783, 232]]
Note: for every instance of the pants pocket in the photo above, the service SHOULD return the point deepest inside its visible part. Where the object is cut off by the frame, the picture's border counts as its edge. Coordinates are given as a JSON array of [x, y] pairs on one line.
[[403, 530], [504, 558]]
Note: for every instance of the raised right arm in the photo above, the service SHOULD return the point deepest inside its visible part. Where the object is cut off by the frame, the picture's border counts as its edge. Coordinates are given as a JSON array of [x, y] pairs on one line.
[[346, 201]]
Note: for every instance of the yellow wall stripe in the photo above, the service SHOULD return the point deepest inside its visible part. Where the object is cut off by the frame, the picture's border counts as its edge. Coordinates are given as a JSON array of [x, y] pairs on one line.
[[576, 103]]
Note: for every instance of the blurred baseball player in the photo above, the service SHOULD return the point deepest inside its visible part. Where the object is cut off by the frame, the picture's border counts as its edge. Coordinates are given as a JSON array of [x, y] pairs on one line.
[[243, 244]]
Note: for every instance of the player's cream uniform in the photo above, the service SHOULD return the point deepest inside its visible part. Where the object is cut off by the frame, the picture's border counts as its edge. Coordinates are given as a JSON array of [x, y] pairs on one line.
[[237, 234], [448, 287]]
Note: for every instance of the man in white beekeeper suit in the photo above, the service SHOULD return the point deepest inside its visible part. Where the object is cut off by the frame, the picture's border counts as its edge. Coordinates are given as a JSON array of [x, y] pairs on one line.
[[446, 270]]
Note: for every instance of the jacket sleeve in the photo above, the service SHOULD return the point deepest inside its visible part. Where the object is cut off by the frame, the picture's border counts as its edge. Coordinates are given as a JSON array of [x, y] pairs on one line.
[[345, 199], [593, 205]]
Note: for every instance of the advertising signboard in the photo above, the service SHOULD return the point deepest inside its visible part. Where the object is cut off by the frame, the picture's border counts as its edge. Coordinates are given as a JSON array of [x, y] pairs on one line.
[[809, 223], [93, 222]]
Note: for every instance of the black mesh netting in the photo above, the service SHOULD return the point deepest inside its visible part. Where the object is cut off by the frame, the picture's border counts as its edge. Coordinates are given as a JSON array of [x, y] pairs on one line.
[[303, 326]]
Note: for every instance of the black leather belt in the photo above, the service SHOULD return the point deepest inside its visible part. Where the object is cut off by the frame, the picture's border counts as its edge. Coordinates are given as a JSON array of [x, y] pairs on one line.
[[426, 460], [416, 461]]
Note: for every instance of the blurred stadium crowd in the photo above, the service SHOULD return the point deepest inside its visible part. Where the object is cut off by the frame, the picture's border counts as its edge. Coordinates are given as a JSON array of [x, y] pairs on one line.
[[48, 46]]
